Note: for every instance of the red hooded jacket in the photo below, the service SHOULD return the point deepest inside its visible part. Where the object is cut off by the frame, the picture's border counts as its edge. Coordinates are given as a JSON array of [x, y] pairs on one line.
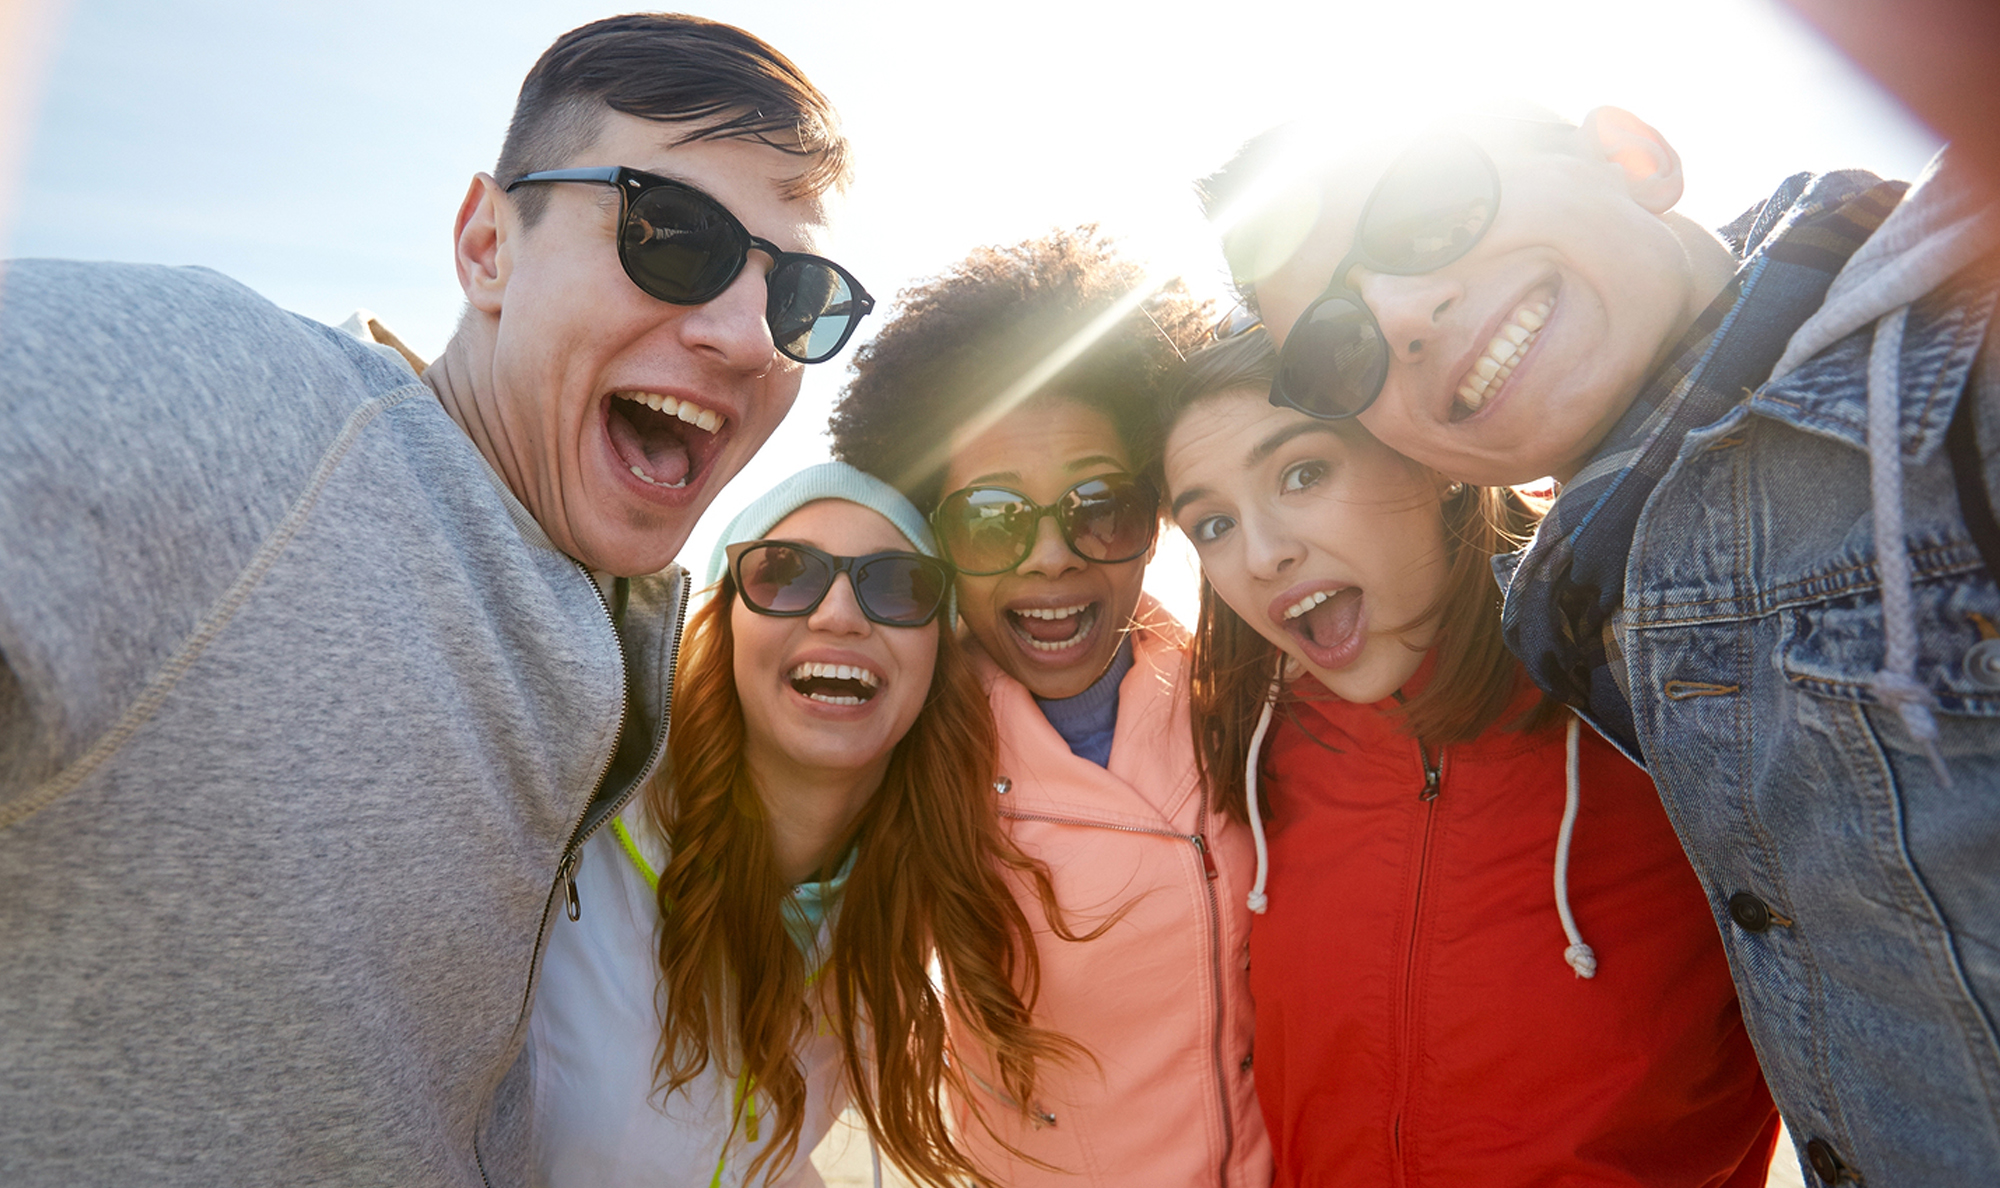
[[1417, 1021]]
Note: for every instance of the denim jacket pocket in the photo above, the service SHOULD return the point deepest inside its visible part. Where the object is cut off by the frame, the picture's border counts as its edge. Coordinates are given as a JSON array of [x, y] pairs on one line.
[[1833, 648]]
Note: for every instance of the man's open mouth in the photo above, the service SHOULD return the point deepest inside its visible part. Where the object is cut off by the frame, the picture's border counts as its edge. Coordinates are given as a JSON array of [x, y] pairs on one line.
[[1325, 620], [1503, 354], [834, 684], [660, 439], [1054, 629]]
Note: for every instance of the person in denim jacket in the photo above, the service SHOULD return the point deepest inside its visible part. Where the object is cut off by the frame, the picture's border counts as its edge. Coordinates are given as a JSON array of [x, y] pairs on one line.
[[1769, 574]]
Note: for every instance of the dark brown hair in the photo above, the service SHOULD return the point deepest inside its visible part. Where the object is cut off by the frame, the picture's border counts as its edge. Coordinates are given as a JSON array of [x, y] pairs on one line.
[[929, 880], [673, 68], [1233, 667], [963, 339]]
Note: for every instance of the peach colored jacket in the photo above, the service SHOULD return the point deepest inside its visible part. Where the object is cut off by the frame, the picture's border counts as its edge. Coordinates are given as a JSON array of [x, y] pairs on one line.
[[1162, 999]]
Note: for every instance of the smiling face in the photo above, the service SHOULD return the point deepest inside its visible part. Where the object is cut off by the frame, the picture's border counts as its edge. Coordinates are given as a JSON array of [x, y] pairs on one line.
[[1325, 541], [1054, 621], [829, 695], [612, 415], [1515, 360]]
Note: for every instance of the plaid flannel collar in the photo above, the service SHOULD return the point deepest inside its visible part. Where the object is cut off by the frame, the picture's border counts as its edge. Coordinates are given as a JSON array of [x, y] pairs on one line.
[[1564, 588]]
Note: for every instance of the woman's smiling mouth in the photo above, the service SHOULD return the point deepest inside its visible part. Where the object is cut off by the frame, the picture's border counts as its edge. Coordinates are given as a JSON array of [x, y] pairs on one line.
[[1327, 623], [1054, 631], [834, 684]]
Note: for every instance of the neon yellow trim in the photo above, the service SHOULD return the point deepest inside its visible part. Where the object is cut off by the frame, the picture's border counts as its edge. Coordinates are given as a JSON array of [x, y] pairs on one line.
[[745, 1089], [645, 868]]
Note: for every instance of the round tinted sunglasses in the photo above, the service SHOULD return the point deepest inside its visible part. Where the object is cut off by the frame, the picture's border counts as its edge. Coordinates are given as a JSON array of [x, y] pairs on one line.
[[989, 530], [684, 247], [1432, 204], [787, 579]]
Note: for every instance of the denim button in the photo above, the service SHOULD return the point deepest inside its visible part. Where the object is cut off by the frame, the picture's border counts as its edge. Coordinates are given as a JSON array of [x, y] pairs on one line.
[[1825, 1164], [1982, 663], [1749, 912]]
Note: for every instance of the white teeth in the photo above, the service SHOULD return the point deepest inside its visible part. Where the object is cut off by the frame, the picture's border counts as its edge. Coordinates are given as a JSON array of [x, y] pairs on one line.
[[1053, 613], [1493, 367], [705, 419], [1307, 603], [834, 672], [643, 477]]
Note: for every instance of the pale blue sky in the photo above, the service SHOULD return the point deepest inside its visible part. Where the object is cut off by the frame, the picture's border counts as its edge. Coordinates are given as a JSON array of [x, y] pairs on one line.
[[317, 152]]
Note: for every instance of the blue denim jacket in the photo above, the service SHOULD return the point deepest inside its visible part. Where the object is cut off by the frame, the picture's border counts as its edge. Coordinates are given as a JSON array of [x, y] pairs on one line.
[[1857, 893]]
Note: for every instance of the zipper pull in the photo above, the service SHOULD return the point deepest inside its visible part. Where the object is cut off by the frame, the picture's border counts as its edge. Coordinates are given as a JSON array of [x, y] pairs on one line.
[[1207, 859], [1433, 773], [567, 873]]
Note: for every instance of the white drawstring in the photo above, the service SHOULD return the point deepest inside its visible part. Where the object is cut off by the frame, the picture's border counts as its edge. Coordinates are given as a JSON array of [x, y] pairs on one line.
[[1258, 900], [1896, 683], [1579, 955]]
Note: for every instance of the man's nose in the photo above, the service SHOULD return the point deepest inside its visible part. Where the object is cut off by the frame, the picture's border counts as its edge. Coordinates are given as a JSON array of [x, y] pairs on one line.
[[1410, 309], [731, 326]]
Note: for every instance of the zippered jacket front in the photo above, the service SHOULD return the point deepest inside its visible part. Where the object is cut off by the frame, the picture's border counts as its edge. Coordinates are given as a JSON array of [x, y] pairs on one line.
[[1417, 1021], [1160, 1001], [300, 714]]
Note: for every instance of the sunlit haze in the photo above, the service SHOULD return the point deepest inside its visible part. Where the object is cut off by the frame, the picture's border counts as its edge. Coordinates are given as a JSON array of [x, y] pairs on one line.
[[317, 152]]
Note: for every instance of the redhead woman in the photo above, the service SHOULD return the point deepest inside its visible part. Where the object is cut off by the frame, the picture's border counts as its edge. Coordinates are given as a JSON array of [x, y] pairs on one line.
[[1481, 957], [1009, 398], [751, 943]]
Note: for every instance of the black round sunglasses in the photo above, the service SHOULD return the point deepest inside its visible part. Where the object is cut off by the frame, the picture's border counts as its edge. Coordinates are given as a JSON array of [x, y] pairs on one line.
[[787, 579], [986, 530], [683, 247], [1429, 208]]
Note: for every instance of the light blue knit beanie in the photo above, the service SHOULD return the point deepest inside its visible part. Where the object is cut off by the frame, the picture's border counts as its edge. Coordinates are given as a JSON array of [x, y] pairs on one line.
[[828, 480]]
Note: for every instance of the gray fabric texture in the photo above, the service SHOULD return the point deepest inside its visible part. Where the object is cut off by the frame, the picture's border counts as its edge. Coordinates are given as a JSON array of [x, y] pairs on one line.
[[298, 713]]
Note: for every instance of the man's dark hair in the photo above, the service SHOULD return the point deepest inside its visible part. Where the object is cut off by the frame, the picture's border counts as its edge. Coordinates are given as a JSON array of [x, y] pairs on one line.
[[670, 67], [962, 340]]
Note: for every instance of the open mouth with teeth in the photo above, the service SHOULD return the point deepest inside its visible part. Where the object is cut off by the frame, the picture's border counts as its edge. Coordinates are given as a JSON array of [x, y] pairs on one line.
[[1328, 625], [1502, 355], [834, 684], [1054, 631], [662, 441]]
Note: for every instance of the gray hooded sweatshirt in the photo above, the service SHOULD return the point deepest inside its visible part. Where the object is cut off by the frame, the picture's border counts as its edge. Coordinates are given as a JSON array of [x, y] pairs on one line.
[[301, 720]]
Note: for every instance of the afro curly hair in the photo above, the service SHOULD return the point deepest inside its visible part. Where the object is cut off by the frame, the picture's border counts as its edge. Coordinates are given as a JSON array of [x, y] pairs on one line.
[[997, 329]]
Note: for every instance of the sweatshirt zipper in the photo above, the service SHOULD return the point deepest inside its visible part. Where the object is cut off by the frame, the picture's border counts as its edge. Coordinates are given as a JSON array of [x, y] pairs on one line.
[[1427, 793], [1200, 843], [573, 848]]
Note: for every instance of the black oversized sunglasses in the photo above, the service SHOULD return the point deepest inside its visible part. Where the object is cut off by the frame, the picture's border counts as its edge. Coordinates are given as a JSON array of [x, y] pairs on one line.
[[988, 530], [788, 579], [683, 247], [1431, 205]]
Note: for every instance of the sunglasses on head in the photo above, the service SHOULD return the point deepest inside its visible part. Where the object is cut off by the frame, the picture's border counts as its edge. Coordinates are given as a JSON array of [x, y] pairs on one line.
[[683, 247], [989, 530], [1431, 205], [787, 579]]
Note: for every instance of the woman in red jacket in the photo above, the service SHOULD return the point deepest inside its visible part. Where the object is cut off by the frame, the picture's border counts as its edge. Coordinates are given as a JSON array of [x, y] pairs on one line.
[[1441, 840]]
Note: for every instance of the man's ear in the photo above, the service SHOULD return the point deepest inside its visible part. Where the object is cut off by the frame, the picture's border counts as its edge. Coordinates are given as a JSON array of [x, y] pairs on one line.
[[1651, 167], [479, 241]]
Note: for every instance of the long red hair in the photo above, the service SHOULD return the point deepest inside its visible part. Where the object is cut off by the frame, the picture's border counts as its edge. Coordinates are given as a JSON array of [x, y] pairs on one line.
[[927, 883]]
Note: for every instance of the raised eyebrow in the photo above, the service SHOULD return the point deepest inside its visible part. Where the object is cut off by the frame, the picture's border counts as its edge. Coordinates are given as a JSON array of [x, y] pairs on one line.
[[997, 476], [1276, 441], [1091, 460], [1186, 497]]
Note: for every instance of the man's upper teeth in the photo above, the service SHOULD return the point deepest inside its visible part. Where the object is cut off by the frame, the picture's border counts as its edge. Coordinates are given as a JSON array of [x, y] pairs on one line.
[[833, 672], [1054, 612], [1307, 603], [1506, 349], [705, 419]]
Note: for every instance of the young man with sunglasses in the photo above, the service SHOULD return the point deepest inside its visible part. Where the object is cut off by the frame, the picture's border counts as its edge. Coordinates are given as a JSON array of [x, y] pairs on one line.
[[318, 673], [1770, 570]]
